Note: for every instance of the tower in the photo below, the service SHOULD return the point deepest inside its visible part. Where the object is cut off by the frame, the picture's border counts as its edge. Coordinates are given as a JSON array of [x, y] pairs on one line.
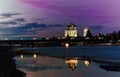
[[71, 31], [85, 32]]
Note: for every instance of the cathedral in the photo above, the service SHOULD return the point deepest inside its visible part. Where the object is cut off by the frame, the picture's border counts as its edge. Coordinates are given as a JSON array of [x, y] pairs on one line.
[[71, 31]]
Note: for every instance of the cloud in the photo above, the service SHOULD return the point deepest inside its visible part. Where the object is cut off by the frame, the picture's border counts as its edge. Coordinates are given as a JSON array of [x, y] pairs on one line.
[[43, 67], [12, 22], [19, 20], [14, 29], [35, 28], [38, 19], [35, 66], [57, 8], [8, 23], [9, 14], [35, 25]]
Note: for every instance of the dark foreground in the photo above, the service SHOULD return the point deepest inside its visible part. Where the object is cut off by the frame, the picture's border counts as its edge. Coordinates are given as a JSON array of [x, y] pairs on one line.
[[7, 64]]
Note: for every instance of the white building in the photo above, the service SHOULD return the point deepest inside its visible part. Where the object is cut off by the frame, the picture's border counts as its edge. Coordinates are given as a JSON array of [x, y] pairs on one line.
[[85, 32], [71, 31]]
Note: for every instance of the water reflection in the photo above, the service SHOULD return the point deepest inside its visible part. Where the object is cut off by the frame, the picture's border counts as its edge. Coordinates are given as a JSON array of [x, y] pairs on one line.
[[23, 56], [34, 55], [87, 62], [55, 61], [72, 62], [35, 67]]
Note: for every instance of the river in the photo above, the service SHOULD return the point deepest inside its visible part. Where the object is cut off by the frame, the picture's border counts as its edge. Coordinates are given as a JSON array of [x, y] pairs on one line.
[[79, 61]]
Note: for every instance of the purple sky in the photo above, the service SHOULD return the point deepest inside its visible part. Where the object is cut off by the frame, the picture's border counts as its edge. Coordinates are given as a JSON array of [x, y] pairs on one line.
[[16, 16]]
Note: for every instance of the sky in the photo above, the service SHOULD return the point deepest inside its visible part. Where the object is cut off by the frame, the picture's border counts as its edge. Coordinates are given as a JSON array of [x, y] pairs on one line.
[[48, 18]]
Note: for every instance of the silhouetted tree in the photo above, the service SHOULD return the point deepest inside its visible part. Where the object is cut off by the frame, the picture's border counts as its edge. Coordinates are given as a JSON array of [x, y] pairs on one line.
[[114, 37], [89, 34], [119, 34]]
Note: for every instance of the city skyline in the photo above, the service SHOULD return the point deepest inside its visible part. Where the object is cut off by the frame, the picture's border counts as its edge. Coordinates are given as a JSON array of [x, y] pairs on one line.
[[46, 18]]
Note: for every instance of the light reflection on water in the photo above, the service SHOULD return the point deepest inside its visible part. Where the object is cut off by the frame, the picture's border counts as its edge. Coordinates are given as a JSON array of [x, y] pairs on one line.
[[55, 67], [46, 66], [87, 62]]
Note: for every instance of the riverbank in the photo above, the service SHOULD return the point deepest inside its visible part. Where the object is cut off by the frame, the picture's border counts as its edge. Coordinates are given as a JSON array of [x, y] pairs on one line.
[[7, 64]]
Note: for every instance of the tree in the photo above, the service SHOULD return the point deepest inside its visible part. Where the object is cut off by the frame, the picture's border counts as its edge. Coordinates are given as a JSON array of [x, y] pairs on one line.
[[89, 34], [119, 34], [114, 37]]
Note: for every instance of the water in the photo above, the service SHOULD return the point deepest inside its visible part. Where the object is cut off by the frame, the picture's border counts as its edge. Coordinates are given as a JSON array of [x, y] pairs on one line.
[[88, 61]]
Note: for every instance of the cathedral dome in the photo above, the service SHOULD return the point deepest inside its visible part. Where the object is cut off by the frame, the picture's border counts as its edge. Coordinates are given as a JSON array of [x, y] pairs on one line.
[[71, 25], [71, 31]]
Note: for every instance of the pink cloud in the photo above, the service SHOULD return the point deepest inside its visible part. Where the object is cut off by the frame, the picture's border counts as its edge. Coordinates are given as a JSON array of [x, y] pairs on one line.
[[63, 11], [44, 5], [80, 11]]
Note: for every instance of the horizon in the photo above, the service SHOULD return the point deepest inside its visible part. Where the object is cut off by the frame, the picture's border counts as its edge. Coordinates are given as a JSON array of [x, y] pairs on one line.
[[48, 18], [39, 38]]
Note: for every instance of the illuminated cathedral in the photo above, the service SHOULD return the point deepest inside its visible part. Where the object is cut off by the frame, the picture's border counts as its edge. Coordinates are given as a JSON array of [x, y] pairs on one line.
[[71, 31]]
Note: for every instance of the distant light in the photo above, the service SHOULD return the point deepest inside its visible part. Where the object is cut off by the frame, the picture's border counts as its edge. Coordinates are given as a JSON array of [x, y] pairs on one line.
[[67, 45], [6, 38], [100, 38], [87, 63], [47, 38], [58, 38], [63, 37], [21, 56], [34, 38], [21, 38], [34, 55]]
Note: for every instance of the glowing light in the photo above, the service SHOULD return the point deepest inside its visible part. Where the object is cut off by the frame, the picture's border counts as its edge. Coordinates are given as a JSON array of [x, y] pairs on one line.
[[72, 63], [34, 55], [87, 63], [67, 45], [6, 38], [21, 38], [34, 38], [21, 56]]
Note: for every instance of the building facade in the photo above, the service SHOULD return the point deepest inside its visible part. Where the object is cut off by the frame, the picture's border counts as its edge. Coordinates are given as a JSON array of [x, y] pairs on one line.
[[85, 32], [71, 31]]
